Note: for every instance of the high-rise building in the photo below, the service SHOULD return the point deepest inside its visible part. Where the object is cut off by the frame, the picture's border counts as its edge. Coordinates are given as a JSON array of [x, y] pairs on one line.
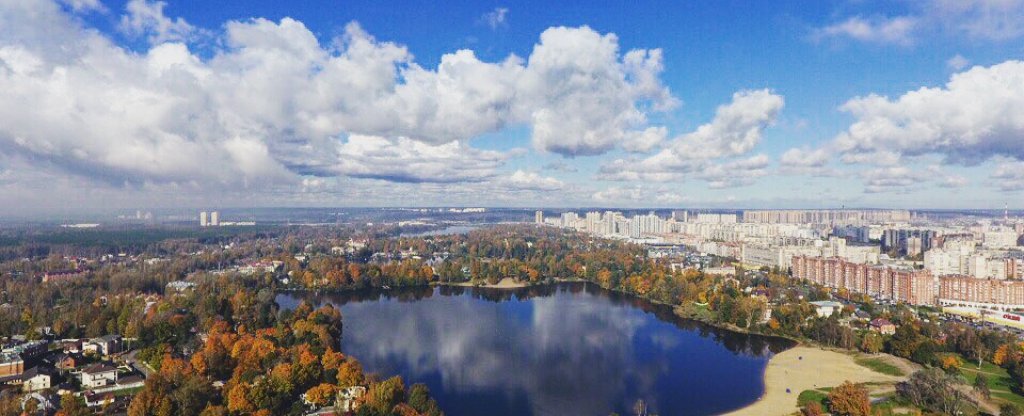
[[214, 218], [538, 217], [202, 219]]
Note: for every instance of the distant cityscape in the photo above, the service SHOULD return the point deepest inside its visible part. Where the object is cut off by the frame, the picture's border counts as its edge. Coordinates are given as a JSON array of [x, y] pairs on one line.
[[894, 255]]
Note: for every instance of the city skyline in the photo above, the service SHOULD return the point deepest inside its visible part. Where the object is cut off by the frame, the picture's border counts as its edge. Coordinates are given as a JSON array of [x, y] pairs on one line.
[[114, 105]]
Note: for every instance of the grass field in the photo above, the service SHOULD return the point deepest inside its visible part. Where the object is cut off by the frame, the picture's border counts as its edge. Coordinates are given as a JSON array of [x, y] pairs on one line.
[[999, 381], [879, 365], [808, 396]]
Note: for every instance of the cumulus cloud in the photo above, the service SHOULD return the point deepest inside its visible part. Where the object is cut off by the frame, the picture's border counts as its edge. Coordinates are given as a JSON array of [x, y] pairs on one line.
[[271, 105], [898, 179], [1009, 175], [805, 161], [146, 18], [974, 117], [532, 181], [735, 131], [406, 160], [580, 98]]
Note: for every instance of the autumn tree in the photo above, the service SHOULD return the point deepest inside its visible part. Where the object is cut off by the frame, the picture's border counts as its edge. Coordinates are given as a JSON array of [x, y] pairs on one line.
[[849, 399]]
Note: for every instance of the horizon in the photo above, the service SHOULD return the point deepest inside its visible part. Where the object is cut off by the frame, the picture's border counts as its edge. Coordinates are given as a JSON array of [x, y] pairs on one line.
[[125, 104]]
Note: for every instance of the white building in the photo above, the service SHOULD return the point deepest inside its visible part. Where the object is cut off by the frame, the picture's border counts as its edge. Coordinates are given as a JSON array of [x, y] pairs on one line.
[[98, 375], [203, 222]]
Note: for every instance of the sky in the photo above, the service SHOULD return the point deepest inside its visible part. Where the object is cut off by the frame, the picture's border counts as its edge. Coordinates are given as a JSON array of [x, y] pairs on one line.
[[111, 105]]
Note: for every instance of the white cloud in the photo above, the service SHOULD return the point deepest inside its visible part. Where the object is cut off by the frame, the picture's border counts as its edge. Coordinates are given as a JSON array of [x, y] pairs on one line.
[[974, 117], [406, 160], [897, 30], [803, 161], [742, 172], [992, 20], [80, 6], [146, 18], [270, 105], [496, 18], [532, 181], [1009, 175], [957, 62], [735, 131], [644, 141], [899, 179], [997, 20], [580, 98]]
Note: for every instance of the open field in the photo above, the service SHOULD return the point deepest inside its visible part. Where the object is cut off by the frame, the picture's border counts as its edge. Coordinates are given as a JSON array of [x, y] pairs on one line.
[[806, 368]]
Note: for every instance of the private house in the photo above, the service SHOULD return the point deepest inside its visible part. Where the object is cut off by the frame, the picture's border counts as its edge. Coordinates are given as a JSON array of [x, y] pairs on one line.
[[37, 378], [72, 345], [66, 361], [348, 399], [825, 308], [882, 326], [98, 375], [105, 345], [98, 399]]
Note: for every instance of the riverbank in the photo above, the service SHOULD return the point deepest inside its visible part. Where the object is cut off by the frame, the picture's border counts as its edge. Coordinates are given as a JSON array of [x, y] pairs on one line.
[[806, 368]]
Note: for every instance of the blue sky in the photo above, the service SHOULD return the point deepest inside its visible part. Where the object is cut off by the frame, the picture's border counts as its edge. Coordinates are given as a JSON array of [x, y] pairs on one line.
[[729, 103]]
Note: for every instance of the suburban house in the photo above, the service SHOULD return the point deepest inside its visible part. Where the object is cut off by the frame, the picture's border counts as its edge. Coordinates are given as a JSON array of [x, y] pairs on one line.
[[348, 399], [105, 345], [98, 399], [37, 378], [825, 308], [882, 326], [98, 375], [66, 361]]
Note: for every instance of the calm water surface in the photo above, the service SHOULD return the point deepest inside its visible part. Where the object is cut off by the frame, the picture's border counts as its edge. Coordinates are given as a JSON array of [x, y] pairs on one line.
[[570, 349]]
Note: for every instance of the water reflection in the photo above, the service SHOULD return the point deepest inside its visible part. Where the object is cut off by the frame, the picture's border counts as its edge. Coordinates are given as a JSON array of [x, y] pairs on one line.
[[558, 350]]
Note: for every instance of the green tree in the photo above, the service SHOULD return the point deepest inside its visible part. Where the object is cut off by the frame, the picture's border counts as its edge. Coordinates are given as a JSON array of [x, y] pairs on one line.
[[981, 386]]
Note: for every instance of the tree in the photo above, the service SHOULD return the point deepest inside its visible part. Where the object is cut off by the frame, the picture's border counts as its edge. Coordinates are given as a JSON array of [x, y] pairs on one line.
[[73, 406], [872, 343], [322, 394], [813, 409], [1007, 409], [935, 390], [981, 386], [849, 399]]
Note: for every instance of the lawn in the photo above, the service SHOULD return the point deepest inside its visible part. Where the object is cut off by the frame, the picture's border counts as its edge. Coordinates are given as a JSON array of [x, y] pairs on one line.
[[818, 395], [879, 365], [999, 381]]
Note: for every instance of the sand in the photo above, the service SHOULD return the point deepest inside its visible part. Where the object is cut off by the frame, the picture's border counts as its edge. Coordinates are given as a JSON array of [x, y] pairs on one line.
[[818, 368]]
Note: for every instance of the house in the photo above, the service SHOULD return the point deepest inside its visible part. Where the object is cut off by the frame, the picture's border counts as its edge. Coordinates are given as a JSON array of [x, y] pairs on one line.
[[72, 345], [882, 326], [46, 403], [180, 285], [825, 308], [348, 399], [98, 399], [105, 345], [66, 361], [98, 375], [63, 276], [37, 378]]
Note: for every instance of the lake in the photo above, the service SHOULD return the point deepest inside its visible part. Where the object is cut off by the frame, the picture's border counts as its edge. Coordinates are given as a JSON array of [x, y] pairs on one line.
[[567, 349]]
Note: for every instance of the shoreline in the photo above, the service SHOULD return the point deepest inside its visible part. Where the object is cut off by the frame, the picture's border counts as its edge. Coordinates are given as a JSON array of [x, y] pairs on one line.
[[800, 368]]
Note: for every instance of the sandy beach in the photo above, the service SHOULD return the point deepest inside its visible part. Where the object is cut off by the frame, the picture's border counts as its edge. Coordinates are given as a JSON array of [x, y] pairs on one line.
[[804, 368]]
